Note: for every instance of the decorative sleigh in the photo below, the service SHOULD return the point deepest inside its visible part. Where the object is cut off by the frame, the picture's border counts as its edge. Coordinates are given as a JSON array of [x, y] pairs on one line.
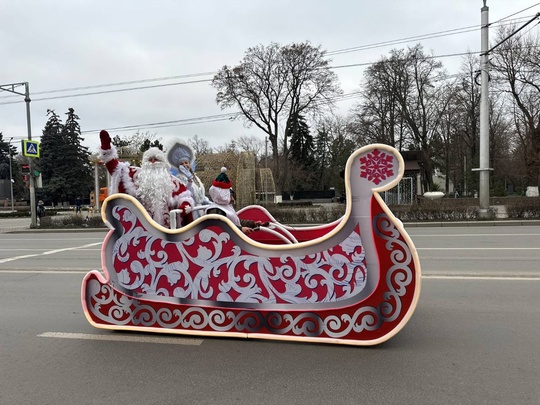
[[355, 281]]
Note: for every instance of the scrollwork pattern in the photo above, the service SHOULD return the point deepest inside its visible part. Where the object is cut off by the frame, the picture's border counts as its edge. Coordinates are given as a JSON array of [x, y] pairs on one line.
[[112, 307], [209, 266]]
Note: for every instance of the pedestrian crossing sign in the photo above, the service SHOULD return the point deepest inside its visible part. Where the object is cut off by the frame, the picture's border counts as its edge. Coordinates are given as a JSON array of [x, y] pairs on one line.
[[30, 148]]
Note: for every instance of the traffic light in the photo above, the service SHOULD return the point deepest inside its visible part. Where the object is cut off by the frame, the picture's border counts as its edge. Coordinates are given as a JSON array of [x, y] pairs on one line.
[[36, 168]]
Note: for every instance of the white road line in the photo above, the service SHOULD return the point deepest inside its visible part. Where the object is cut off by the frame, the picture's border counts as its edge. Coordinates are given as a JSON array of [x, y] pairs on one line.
[[45, 271], [37, 250], [479, 248], [460, 235], [49, 252], [125, 338], [495, 278], [49, 239]]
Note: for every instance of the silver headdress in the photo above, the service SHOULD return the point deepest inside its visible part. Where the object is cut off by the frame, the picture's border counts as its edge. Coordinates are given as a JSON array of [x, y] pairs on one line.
[[178, 151]]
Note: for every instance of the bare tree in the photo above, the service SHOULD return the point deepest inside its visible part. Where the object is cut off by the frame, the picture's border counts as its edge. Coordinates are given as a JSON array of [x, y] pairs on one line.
[[251, 144], [200, 146], [421, 105], [272, 85], [516, 63], [403, 103], [377, 118], [466, 127]]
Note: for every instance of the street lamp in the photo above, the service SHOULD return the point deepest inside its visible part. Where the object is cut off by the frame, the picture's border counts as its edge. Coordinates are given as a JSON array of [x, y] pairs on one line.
[[11, 88], [10, 173], [266, 171]]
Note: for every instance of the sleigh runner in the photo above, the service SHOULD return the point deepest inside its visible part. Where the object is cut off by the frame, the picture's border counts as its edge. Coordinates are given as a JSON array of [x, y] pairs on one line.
[[355, 281]]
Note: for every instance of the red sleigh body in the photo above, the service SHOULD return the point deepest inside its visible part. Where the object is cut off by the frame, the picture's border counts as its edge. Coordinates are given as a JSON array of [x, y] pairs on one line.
[[355, 281]]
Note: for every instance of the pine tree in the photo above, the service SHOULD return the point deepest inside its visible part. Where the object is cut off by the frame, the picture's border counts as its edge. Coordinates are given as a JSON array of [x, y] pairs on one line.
[[147, 144], [51, 160], [301, 141], [5, 151], [65, 166], [300, 154], [79, 170]]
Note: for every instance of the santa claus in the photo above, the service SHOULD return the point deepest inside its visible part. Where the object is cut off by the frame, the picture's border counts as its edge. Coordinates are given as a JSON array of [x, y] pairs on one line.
[[152, 183]]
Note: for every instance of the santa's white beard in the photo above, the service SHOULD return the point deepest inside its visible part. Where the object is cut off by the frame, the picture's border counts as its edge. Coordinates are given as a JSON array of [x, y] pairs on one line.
[[155, 189]]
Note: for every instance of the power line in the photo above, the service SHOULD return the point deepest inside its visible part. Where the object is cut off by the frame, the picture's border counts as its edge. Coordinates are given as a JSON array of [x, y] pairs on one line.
[[162, 124], [204, 119], [112, 91], [330, 53], [516, 13], [416, 38], [224, 117]]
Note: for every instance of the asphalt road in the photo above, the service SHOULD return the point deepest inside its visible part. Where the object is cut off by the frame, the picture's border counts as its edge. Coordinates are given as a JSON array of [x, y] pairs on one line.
[[473, 339]]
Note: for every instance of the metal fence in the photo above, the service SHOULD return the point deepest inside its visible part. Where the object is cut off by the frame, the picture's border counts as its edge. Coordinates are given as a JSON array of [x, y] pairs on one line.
[[402, 194]]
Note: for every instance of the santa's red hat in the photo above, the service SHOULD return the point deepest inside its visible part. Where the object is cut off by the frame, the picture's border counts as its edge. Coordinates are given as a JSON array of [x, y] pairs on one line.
[[222, 180]]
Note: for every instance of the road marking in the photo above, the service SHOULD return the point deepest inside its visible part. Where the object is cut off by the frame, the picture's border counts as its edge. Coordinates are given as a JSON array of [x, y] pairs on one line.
[[49, 252], [474, 234], [82, 271], [495, 278], [37, 250], [125, 338], [479, 248], [50, 239]]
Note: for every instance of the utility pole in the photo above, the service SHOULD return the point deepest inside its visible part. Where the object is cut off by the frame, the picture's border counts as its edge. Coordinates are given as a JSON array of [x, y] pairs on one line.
[[484, 117]]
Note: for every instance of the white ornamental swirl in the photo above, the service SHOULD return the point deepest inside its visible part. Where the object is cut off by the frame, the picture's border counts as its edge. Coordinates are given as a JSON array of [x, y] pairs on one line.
[[326, 269]]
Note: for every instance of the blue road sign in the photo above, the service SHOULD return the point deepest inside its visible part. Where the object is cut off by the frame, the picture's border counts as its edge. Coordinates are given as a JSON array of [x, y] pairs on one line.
[[30, 148]]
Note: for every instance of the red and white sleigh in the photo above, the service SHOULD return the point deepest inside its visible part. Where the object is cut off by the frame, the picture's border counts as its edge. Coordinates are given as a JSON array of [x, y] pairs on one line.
[[355, 281]]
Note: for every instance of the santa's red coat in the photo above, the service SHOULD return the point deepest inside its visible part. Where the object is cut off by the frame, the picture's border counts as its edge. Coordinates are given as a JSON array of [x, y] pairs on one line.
[[122, 181]]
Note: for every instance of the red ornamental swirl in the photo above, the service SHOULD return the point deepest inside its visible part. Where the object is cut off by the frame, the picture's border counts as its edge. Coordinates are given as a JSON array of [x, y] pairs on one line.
[[210, 267]]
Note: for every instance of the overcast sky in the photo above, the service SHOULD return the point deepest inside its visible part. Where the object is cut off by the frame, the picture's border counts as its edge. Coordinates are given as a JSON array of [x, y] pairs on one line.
[[59, 44]]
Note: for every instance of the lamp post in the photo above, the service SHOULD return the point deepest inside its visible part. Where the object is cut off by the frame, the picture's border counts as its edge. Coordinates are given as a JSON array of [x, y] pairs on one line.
[[484, 116], [266, 170], [10, 173], [11, 88], [484, 168]]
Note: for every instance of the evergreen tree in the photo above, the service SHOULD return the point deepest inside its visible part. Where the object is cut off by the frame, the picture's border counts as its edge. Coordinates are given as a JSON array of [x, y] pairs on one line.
[[7, 150], [79, 170], [147, 144], [301, 155], [65, 166], [52, 155], [123, 146], [322, 155], [4, 158], [301, 141]]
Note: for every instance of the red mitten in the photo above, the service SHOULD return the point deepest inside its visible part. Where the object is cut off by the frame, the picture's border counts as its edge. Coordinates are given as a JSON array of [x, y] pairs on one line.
[[187, 215], [105, 140]]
